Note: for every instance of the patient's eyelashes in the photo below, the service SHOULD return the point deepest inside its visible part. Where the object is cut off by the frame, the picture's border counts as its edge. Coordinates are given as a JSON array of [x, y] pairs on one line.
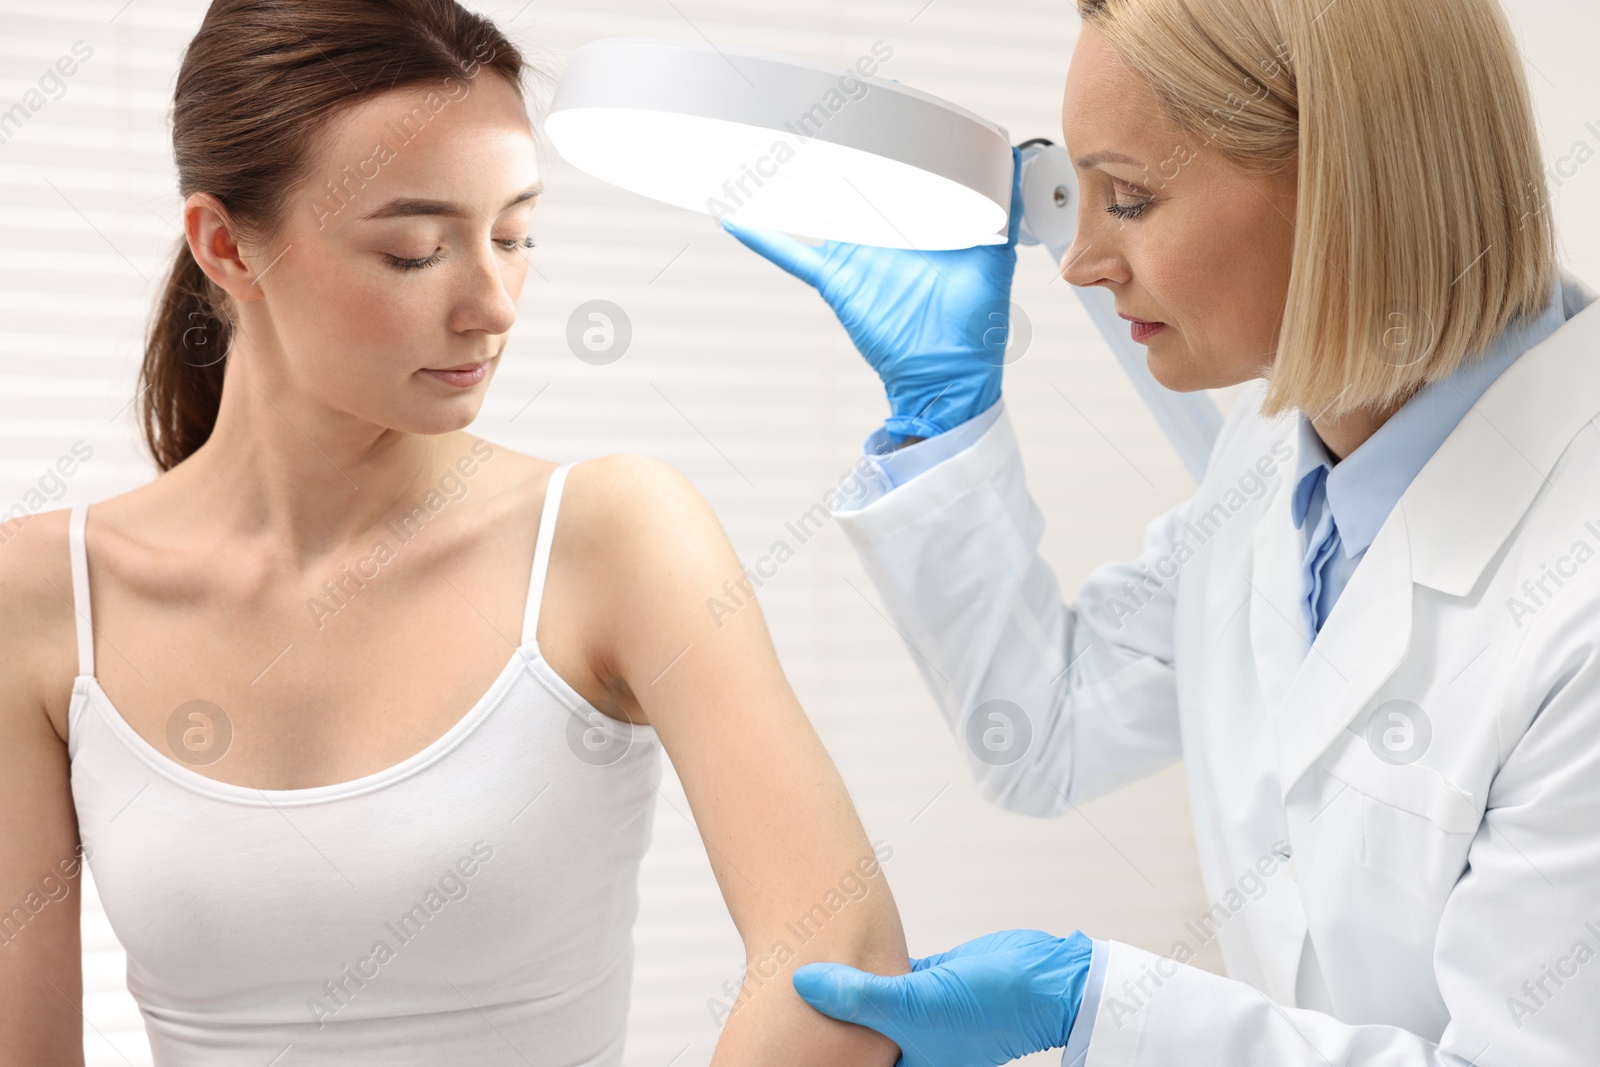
[[507, 244], [414, 264]]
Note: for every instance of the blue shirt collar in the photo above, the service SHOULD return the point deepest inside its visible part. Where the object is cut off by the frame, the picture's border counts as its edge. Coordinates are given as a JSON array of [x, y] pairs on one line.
[[1364, 487]]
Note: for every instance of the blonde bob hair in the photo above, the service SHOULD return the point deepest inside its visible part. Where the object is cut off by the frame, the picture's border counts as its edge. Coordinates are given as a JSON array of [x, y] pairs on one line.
[[1422, 227]]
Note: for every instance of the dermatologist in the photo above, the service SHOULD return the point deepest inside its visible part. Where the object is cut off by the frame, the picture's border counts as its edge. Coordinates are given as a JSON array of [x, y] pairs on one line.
[[1372, 634]]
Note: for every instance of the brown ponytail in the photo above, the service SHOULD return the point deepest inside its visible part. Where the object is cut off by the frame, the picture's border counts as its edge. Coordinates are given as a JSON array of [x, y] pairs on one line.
[[257, 87], [183, 359]]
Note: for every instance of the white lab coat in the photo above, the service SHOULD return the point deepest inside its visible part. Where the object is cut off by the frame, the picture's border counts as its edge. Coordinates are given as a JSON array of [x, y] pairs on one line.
[[1369, 910]]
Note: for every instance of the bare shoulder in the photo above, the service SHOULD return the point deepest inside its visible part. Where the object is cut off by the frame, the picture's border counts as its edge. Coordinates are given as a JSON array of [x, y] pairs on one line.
[[636, 550], [640, 509], [629, 475], [645, 540], [36, 614]]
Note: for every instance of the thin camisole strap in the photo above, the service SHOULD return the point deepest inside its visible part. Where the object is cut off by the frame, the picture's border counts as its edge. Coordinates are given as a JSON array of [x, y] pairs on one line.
[[80, 588], [541, 551]]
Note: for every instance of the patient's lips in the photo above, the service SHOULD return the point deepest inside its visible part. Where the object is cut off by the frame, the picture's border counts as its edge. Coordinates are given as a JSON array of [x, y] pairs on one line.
[[462, 375]]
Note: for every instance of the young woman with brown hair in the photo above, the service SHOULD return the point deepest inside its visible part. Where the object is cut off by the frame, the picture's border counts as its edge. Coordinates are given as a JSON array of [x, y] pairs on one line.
[[404, 828]]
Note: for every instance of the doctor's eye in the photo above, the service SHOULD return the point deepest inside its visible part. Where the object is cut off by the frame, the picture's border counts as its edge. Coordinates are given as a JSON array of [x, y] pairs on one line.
[[1128, 211], [513, 244]]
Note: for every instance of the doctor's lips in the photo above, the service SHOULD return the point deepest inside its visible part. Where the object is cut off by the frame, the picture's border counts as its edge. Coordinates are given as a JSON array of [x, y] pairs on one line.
[[1143, 330], [462, 375]]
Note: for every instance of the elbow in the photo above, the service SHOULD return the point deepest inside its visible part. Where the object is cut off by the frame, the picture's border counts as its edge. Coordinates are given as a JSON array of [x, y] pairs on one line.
[[766, 1020], [858, 925]]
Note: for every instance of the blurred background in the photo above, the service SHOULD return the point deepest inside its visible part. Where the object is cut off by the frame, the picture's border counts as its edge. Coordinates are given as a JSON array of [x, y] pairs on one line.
[[738, 375]]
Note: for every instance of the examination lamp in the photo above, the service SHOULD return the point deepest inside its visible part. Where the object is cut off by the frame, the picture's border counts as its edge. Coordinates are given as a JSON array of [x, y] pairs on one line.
[[776, 142]]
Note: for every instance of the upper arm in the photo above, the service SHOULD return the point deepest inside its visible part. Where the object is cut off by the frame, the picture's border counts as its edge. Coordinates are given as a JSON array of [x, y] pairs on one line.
[[781, 833], [40, 963]]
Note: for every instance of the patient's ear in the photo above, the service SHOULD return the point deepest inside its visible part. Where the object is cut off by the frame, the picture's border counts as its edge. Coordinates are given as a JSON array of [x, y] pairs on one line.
[[216, 247]]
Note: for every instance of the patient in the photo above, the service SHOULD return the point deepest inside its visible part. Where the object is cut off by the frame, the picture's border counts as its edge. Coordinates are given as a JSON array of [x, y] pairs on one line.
[[360, 741]]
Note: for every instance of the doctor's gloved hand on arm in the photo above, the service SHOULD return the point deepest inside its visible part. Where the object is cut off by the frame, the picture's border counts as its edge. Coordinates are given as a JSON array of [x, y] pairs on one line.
[[991, 1000], [932, 324]]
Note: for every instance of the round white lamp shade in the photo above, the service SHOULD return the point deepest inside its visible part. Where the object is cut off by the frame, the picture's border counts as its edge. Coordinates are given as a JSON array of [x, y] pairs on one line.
[[771, 141]]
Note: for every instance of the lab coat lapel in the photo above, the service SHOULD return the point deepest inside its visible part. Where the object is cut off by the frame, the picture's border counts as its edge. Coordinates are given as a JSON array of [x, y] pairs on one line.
[[1312, 689], [1277, 634], [1464, 504], [1365, 638]]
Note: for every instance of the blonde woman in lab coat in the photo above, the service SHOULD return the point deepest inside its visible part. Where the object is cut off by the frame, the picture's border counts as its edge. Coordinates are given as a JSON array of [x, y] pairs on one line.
[[1371, 634]]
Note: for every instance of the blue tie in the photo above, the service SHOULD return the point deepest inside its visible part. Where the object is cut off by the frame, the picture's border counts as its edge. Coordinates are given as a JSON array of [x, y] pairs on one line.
[[1320, 547]]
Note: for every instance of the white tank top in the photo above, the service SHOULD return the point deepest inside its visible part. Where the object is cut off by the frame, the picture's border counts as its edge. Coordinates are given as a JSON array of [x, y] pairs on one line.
[[472, 904]]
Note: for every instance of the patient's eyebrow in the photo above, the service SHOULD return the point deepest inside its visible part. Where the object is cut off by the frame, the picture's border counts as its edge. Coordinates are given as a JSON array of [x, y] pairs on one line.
[[407, 206]]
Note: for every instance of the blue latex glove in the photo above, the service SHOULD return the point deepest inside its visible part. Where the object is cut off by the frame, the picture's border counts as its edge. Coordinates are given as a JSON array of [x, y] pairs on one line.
[[988, 1001], [932, 324]]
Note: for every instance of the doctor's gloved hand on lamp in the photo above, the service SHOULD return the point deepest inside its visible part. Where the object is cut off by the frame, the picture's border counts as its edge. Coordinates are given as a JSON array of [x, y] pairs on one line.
[[932, 324]]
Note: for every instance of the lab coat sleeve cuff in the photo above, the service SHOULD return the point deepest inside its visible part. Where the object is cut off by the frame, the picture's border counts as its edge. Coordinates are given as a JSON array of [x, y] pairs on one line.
[[879, 514], [906, 463], [1115, 1030], [892, 468], [1083, 1024]]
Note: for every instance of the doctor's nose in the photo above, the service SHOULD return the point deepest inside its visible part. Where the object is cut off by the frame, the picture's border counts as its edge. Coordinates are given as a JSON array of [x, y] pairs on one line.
[[1087, 262]]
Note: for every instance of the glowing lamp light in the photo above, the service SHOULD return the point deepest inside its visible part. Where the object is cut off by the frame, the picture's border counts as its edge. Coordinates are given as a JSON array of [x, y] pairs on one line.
[[771, 141]]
